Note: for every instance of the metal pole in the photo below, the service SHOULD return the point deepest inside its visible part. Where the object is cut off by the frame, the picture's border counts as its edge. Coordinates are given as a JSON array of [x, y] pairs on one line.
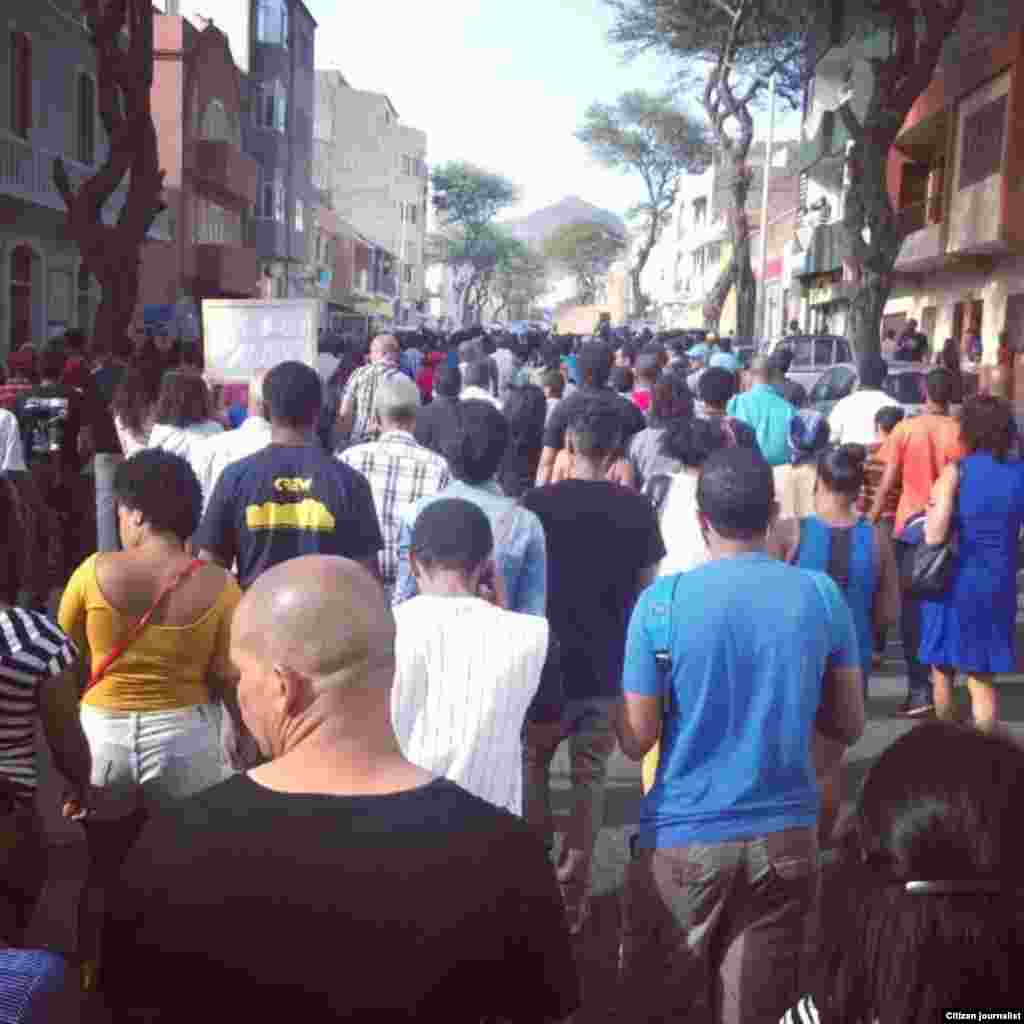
[[766, 184]]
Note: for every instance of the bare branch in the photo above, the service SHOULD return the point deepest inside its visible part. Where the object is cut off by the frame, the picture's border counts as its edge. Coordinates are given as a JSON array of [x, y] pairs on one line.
[[853, 127]]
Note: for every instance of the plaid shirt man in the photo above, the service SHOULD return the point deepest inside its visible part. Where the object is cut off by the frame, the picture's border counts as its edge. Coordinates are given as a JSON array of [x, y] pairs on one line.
[[400, 471]]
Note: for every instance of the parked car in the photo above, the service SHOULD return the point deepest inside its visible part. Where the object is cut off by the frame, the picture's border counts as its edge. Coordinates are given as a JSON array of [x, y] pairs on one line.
[[905, 385], [813, 355]]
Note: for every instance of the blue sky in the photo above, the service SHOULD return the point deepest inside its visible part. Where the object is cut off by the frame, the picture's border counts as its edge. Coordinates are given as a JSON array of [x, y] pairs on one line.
[[501, 83]]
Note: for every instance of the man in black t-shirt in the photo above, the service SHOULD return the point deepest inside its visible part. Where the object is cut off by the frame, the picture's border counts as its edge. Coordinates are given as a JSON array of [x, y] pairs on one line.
[[291, 498], [337, 881], [594, 364], [604, 545]]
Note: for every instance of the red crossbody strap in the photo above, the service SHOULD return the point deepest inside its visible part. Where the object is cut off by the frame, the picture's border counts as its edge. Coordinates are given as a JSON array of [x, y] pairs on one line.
[[101, 670]]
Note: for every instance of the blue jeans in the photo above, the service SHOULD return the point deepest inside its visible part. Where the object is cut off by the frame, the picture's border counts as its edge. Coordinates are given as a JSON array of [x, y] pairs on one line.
[[104, 467]]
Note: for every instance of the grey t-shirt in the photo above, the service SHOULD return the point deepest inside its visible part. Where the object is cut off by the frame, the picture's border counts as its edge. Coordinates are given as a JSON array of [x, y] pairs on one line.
[[646, 458]]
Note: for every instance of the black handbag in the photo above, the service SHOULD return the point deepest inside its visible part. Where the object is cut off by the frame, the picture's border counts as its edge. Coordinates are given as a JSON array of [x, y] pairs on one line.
[[931, 569]]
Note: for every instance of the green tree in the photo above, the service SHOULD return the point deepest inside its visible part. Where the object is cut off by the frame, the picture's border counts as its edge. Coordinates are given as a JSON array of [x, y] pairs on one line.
[[468, 199], [739, 44], [649, 136], [586, 250], [519, 281], [728, 50]]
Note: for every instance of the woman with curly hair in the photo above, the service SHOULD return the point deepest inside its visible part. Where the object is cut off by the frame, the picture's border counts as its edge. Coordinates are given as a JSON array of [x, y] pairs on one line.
[[183, 415], [971, 629], [153, 626]]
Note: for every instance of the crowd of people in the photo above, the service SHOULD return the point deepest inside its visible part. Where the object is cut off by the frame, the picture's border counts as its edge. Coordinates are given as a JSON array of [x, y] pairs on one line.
[[306, 664]]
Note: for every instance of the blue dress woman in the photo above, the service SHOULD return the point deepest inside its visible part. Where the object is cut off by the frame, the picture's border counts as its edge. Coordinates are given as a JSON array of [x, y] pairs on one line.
[[972, 629]]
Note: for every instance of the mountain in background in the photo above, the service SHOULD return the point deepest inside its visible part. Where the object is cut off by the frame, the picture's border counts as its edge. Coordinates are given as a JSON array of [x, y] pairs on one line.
[[540, 225]]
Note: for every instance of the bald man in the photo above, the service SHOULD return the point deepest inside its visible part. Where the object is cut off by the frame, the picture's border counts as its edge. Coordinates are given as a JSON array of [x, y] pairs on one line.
[[337, 881], [355, 416]]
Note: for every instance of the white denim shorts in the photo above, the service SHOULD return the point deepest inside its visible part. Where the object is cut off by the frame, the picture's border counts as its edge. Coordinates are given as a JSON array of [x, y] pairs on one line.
[[150, 758]]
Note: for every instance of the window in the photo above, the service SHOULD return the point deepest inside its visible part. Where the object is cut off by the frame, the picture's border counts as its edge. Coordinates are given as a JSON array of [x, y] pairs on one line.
[[843, 351], [300, 215], [413, 213], [983, 135], [407, 273], [271, 106], [85, 103], [20, 91], [86, 299], [212, 224], [700, 212], [270, 199], [823, 352], [272, 22], [219, 124], [410, 252]]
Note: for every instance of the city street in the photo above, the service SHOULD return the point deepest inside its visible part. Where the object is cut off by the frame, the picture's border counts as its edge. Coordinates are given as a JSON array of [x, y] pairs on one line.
[[54, 924]]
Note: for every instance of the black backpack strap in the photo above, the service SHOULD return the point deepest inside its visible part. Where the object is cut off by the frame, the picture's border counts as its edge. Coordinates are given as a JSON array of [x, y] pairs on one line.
[[841, 543]]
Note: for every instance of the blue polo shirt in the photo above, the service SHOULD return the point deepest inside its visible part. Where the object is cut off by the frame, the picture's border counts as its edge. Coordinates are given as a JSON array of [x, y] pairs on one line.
[[751, 638], [769, 414]]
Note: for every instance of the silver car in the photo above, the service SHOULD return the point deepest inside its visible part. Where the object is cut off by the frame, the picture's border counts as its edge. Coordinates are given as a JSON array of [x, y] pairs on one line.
[[814, 355], [905, 385]]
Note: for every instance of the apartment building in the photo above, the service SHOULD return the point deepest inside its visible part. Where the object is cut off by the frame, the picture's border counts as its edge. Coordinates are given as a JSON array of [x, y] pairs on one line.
[[953, 175], [48, 110], [372, 170], [695, 246], [210, 184]]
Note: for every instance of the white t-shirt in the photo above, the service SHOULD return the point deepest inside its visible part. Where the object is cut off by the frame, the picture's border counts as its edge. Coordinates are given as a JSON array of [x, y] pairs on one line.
[[210, 457], [12, 457], [685, 548], [467, 673], [853, 419], [182, 440]]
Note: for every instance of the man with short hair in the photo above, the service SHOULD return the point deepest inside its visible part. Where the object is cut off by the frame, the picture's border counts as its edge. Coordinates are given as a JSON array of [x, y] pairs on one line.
[[734, 666], [399, 469], [647, 370], [915, 455], [507, 361], [724, 358], [213, 455], [594, 364], [852, 421], [476, 380], [337, 881], [291, 498], [764, 410], [604, 545], [717, 388], [436, 422], [469, 672], [474, 453], [355, 416], [791, 390]]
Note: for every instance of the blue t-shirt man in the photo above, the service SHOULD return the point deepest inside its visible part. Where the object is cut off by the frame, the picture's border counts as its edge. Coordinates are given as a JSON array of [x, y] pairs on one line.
[[285, 501], [769, 414], [751, 638]]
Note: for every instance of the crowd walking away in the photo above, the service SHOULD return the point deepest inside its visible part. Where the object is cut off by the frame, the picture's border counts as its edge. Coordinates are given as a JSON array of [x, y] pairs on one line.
[[304, 662]]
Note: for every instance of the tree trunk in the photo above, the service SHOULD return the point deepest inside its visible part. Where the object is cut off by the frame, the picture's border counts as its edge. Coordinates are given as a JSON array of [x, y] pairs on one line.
[[112, 253], [866, 309], [715, 300], [641, 302]]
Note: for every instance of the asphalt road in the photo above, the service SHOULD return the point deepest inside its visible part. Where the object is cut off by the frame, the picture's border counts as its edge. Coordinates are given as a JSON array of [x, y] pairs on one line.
[[53, 927]]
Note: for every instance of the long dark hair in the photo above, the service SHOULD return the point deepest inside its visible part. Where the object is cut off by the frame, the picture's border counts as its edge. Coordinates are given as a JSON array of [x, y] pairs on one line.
[[943, 806], [525, 409], [136, 395]]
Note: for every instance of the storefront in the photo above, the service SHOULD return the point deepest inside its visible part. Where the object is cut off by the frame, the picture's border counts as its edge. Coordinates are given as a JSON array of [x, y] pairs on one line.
[[827, 303]]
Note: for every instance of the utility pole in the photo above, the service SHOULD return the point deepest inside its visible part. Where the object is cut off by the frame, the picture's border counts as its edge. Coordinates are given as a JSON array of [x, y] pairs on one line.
[[766, 185]]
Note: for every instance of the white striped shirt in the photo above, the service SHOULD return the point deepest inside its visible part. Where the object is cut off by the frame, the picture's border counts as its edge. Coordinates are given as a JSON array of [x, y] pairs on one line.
[[467, 672], [805, 1012], [32, 650]]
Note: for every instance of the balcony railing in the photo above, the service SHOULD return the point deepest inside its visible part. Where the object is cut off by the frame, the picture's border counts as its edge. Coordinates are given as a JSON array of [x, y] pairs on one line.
[[26, 173]]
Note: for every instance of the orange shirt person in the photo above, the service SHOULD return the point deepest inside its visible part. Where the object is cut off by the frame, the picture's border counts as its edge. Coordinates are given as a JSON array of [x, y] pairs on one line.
[[917, 452]]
